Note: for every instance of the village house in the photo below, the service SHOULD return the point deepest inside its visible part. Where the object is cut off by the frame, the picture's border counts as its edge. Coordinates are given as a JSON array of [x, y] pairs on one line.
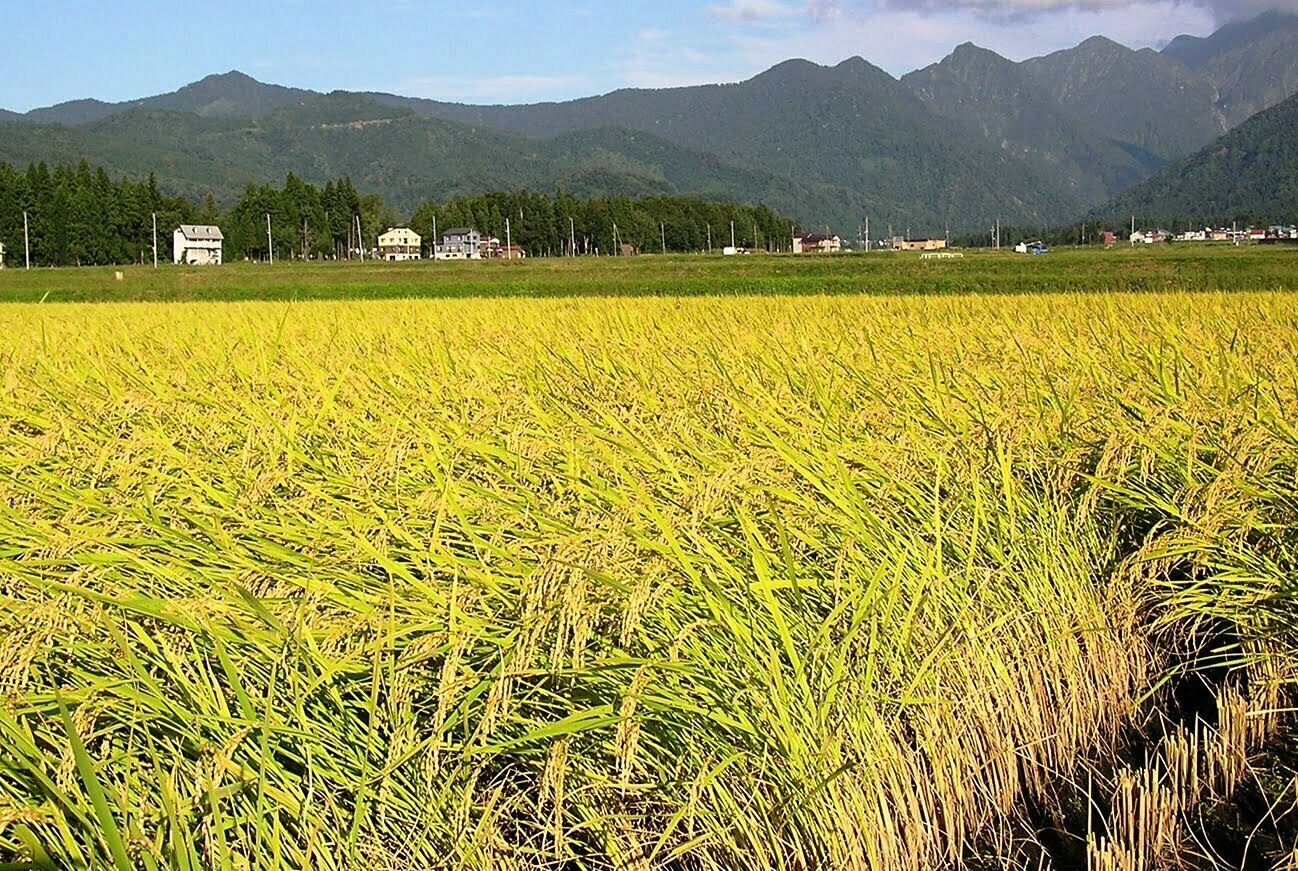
[[816, 243], [1149, 237], [197, 245], [400, 243], [491, 248], [459, 243], [900, 243]]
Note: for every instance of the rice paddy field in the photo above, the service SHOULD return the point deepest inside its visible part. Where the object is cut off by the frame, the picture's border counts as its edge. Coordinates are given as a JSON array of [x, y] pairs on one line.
[[658, 563]]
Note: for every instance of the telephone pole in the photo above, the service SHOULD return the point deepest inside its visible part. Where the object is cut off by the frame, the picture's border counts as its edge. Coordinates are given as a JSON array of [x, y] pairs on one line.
[[572, 237], [27, 245], [509, 242], [155, 240], [662, 229], [867, 234], [270, 243]]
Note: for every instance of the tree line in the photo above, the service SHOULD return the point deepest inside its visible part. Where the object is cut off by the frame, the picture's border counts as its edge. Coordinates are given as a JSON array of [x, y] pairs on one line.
[[77, 216], [559, 224]]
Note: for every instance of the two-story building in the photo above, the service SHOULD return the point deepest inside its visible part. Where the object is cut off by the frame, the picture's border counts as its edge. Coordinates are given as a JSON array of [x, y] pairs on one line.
[[400, 243], [816, 243], [459, 243], [195, 245]]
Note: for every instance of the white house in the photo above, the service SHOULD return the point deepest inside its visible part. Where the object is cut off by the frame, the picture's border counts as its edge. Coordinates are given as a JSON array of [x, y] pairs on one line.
[[194, 245], [400, 243]]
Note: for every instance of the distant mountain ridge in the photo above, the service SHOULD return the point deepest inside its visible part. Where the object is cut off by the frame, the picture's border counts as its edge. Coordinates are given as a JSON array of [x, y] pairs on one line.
[[227, 95], [961, 143]]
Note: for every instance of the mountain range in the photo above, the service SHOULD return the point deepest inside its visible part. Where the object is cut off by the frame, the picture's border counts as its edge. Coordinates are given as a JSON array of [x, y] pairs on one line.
[[961, 143]]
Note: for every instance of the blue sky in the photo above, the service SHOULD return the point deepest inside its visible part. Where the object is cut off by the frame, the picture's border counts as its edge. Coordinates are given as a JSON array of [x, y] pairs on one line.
[[529, 51]]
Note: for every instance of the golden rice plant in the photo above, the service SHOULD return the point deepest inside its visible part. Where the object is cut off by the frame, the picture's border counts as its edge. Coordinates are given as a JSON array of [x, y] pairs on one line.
[[781, 583]]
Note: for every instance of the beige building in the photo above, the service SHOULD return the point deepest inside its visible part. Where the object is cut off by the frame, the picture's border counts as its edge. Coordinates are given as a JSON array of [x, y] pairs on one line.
[[197, 245], [900, 243], [400, 243], [815, 243]]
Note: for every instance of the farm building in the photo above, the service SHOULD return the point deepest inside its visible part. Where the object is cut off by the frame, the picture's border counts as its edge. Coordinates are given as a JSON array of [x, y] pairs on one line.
[[459, 243], [815, 243], [400, 243], [195, 245]]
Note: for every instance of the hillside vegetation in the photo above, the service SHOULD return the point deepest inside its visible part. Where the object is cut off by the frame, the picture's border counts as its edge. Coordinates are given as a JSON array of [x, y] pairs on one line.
[[1250, 175], [965, 142]]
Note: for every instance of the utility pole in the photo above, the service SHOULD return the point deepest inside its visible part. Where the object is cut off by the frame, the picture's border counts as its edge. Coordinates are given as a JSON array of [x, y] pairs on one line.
[[709, 238], [1133, 231], [27, 245], [270, 243], [662, 229], [155, 240], [867, 234], [360, 238], [509, 242], [732, 234], [572, 237]]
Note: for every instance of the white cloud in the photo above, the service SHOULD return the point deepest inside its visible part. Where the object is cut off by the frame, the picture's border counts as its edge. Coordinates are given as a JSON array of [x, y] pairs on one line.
[[760, 11], [517, 88], [1005, 10]]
